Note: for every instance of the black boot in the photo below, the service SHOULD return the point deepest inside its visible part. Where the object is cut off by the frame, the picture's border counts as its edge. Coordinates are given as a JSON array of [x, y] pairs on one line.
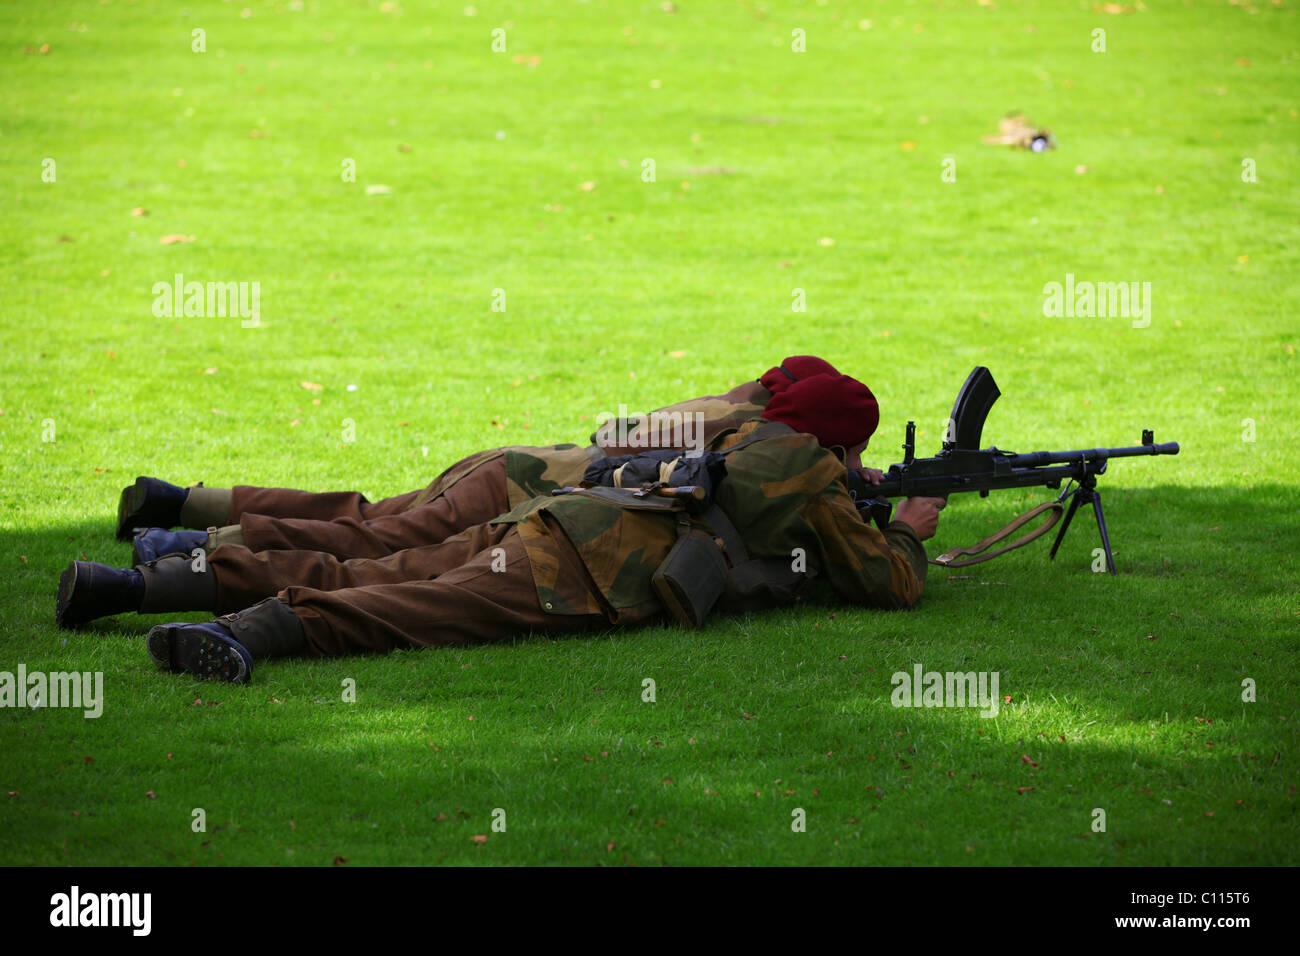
[[88, 590], [205, 650], [226, 648], [149, 503], [150, 544]]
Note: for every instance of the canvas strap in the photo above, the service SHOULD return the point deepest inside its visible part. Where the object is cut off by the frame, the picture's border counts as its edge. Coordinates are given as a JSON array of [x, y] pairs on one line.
[[949, 558]]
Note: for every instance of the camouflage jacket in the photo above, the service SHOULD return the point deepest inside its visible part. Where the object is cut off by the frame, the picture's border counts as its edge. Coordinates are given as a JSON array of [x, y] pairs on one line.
[[535, 470], [782, 493]]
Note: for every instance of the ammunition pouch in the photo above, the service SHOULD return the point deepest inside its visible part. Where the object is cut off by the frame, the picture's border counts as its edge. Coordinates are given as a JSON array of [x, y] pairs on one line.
[[693, 576], [706, 570]]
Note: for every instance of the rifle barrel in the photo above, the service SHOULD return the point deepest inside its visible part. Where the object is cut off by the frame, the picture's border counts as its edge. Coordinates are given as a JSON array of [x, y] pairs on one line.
[[1038, 458]]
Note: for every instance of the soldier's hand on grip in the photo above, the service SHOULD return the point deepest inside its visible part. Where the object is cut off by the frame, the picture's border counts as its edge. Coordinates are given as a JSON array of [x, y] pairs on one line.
[[921, 514]]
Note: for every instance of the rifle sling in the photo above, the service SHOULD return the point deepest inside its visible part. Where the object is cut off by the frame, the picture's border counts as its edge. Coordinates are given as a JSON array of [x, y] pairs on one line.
[[947, 558]]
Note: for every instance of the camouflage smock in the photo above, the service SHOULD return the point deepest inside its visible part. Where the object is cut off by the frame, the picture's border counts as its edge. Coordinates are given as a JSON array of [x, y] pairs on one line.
[[535, 470], [782, 492]]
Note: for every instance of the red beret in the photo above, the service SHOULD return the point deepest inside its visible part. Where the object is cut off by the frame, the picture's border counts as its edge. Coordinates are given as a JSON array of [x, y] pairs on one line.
[[836, 409], [794, 369]]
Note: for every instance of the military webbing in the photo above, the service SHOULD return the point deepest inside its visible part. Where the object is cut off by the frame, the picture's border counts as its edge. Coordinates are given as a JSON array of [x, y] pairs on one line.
[[747, 575]]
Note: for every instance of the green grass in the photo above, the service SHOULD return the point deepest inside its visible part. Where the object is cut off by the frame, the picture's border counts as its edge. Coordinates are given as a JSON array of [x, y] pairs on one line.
[[1126, 692]]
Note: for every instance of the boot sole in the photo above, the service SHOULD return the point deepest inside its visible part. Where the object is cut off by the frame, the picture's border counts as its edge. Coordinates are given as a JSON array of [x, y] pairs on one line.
[[182, 649], [128, 509], [63, 615]]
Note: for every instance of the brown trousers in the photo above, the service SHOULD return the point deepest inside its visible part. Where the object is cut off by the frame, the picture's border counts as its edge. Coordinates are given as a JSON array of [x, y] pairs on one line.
[[446, 593], [346, 525]]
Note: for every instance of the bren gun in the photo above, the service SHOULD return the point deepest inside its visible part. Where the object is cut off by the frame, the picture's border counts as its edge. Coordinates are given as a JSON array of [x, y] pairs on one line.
[[963, 466]]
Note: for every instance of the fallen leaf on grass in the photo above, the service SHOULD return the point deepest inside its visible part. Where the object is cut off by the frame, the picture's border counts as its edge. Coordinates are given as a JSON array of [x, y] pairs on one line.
[[479, 838], [175, 237]]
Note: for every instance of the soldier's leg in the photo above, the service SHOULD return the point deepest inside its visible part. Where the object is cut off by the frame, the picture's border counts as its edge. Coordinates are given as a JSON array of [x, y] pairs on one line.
[[490, 597], [310, 505], [243, 576], [478, 497], [233, 577], [153, 503]]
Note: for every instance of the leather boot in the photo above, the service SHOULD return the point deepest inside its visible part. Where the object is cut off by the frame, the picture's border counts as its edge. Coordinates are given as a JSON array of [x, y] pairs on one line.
[[226, 648], [205, 650], [149, 503], [88, 590], [149, 544]]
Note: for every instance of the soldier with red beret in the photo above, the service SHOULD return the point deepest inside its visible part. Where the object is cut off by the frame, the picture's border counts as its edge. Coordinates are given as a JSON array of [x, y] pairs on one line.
[[573, 562], [471, 491]]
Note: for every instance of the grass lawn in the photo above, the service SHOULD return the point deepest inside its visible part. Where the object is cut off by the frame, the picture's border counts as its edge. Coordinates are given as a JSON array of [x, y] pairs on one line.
[[774, 171]]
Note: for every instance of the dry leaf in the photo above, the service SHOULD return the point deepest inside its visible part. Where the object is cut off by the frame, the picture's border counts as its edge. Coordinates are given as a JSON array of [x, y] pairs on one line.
[[139, 211], [479, 838], [174, 238]]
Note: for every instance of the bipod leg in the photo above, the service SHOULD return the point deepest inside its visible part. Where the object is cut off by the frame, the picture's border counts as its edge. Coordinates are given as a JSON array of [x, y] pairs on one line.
[[1101, 526], [1065, 525]]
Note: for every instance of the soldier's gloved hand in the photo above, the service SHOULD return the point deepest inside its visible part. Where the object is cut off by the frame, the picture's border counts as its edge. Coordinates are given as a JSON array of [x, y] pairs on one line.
[[921, 515]]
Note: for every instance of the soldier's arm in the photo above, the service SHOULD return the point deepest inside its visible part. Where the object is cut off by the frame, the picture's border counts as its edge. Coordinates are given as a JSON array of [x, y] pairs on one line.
[[866, 566]]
